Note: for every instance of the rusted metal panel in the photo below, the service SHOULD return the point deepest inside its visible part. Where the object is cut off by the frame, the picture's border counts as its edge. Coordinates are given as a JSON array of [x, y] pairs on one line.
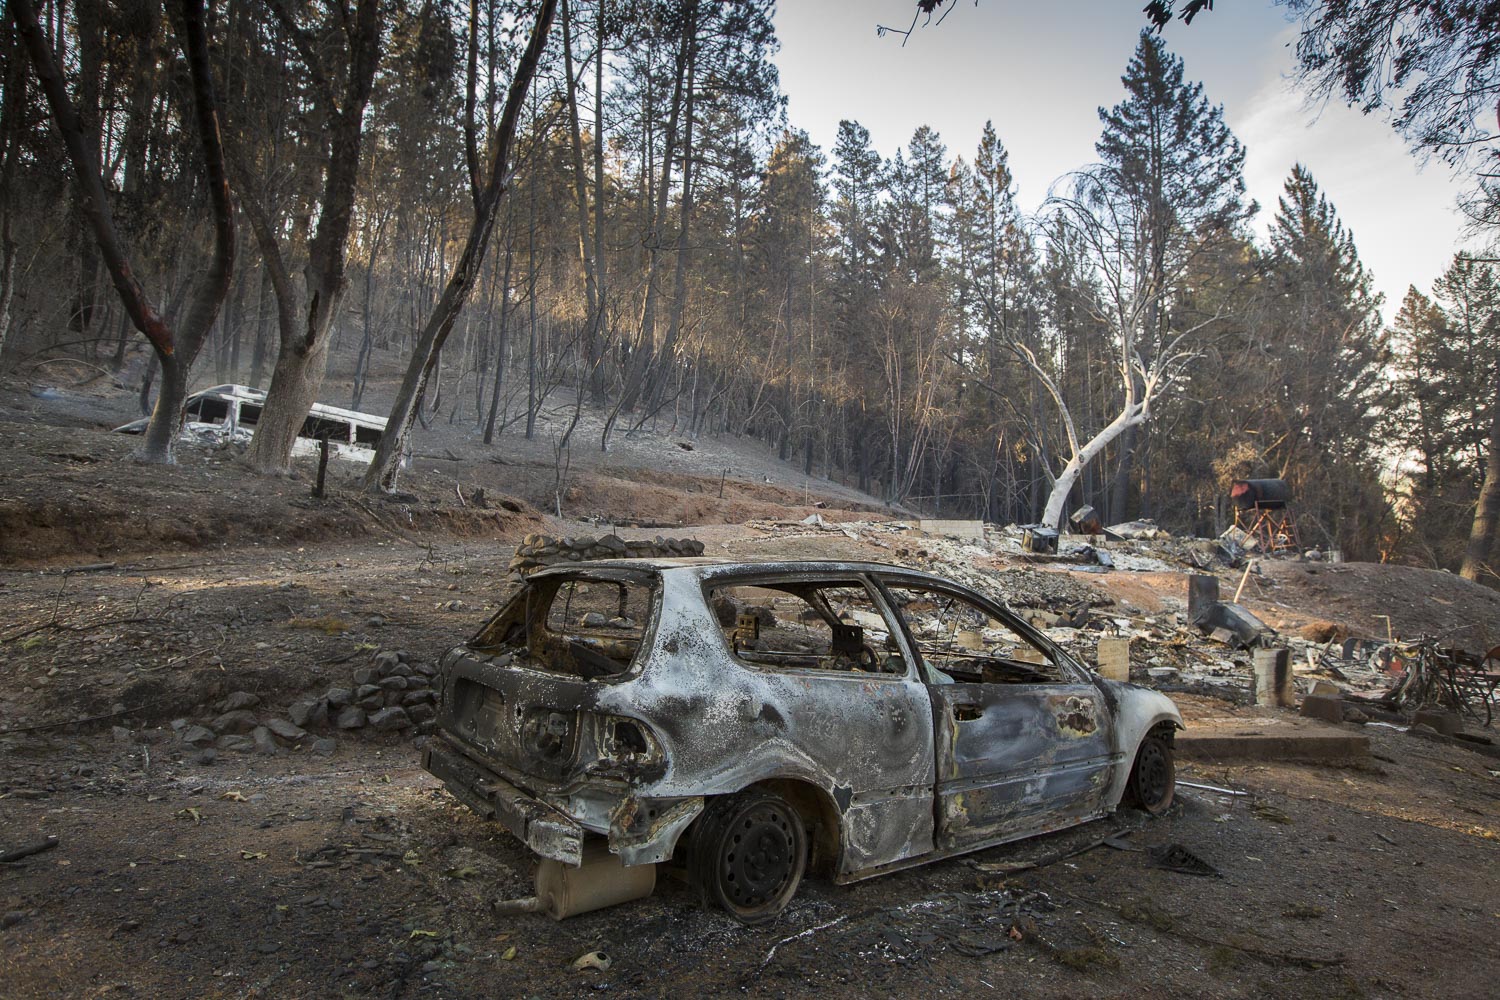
[[1011, 756]]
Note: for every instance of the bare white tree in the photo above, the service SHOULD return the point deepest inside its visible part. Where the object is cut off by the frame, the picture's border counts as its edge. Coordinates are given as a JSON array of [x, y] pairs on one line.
[[1113, 230]]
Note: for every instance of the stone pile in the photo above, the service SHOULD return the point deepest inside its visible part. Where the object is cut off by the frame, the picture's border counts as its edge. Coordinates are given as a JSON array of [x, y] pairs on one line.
[[391, 694], [537, 550]]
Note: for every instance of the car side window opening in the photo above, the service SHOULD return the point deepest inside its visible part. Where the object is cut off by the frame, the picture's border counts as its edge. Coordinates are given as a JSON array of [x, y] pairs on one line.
[[807, 626], [208, 410], [959, 641]]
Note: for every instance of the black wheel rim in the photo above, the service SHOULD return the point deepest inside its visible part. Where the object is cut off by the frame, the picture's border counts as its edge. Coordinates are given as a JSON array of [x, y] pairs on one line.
[[758, 857], [1153, 775]]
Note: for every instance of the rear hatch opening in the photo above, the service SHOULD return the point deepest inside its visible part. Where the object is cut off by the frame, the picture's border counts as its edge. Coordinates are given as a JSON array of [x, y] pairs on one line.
[[590, 625], [520, 692]]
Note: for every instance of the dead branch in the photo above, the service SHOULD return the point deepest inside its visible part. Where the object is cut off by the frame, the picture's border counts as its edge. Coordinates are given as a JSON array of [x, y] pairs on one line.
[[27, 850]]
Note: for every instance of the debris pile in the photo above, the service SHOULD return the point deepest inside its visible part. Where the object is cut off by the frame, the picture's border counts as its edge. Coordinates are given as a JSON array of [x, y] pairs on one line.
[[537, 550]]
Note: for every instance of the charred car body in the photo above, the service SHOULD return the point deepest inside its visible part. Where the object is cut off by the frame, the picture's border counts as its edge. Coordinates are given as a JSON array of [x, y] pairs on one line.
[[758, 720]]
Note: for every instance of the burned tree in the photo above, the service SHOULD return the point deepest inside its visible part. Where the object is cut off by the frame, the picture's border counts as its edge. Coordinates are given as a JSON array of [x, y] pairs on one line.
[[386, 465], [1112, 227], [305, 310], [175, 350]]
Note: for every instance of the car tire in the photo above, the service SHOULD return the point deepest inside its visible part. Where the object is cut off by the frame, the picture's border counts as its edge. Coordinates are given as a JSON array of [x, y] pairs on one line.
[[1153, 778], [748, 855]]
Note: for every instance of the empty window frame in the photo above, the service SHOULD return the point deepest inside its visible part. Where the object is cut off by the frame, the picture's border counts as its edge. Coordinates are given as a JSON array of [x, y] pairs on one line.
[[959, 641], [833, 626]]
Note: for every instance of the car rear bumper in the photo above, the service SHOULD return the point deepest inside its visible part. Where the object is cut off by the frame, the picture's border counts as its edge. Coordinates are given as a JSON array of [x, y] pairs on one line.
[[539, 826]]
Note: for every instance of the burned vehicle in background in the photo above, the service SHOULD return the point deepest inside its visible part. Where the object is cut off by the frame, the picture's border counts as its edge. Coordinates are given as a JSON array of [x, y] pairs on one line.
[[758, 721], [222, 414]]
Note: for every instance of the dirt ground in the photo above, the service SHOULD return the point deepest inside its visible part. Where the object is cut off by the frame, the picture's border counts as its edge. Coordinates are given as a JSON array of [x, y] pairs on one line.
[[295, 874]]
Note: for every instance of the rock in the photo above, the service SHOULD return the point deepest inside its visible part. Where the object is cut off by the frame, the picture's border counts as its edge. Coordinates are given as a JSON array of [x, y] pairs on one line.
[[421, 713], [1322, 706], [339, 697], [372, 703], [390, 719], [426, 669], [418, 698], [384, 661], [394, 683], [324, 747], [374, 621], [365, 675], [593, 620], [264, 742], [121, 735], [197, 736], [178, 725], [1354, 715], [351, 717], [308, 712], [1446, 723], [204, 757], [401, 670], [286, 730], [239, 700], [12, 917], [237, 744], [236, 722], [365, 690], [417, 681]]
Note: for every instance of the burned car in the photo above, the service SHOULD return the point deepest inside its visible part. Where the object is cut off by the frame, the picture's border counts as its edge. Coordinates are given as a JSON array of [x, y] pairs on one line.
[[754, 722]]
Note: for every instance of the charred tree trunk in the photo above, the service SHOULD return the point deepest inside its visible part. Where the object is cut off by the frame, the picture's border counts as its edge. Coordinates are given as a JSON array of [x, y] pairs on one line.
[[1487, 513], [657, 381], [302, 358], [500, 350], [10, 128], [175, 353], [386, 466], [643, 356]]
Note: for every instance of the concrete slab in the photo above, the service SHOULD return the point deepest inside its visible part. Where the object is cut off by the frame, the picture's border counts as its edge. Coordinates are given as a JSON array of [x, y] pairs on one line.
[[967, 531], [1241, 738]]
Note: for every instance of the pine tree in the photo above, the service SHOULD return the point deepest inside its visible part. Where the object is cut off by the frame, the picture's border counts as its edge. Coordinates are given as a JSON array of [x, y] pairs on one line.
[[1327, 350], [1170, 153]]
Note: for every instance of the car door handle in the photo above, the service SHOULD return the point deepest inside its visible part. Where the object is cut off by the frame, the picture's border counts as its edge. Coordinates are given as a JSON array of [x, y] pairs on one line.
[[967, 713]]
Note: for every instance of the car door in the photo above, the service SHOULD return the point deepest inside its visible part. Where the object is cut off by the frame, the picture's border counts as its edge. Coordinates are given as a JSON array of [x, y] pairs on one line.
[[838, 702], [1023, 738]]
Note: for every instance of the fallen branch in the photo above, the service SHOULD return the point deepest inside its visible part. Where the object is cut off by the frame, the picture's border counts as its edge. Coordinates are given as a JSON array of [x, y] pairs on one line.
[[27, 850], [90, 568], [78, 722]]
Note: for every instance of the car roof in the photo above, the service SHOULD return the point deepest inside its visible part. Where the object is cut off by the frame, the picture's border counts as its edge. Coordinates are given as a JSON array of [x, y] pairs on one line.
[[713, 566]]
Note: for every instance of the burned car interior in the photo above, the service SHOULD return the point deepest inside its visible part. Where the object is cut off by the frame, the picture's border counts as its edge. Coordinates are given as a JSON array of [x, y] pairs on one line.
[[586, 627], [810, 626], [959, 641], [749, 722]]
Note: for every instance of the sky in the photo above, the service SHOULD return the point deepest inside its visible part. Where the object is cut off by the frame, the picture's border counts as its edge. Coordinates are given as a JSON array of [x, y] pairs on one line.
[[1041, 71]]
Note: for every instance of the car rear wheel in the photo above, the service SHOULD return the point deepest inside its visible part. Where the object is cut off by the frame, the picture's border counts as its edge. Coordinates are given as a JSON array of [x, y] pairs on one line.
[[748, 855], [1153, 780]]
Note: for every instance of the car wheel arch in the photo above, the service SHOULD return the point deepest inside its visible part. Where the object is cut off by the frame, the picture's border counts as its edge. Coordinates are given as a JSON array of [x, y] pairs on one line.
[[820, 816], [1131, 733], [1163, 730]]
